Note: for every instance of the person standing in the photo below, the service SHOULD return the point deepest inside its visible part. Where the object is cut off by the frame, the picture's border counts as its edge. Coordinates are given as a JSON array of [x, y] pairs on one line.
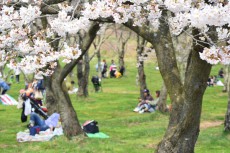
[[112, 69], [221, 73], [104, 70], [17, 72]]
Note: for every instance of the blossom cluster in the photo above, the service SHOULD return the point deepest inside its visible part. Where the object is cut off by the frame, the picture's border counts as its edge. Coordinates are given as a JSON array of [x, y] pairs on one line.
[[148, 54], [215, 55], [17, 38], [140, 11], [63, 24], [201, 15]]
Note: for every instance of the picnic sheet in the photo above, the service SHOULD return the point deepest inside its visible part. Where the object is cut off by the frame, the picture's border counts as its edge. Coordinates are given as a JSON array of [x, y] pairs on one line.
[[42, 136], [8, 100], [97, 135]]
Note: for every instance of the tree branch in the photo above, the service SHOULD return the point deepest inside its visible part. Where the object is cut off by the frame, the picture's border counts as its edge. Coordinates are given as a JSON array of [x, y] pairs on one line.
[[87, 41]]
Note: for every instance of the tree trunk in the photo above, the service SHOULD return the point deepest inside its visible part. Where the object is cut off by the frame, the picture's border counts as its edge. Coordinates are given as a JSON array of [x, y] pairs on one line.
[[83, 76], [80, 77], [86, 75], [226, 78], [183, 128], [51, 101], [99, 63], [182, 45], [57, 93], [141, 72], [163, 99], [227, 116], [122, 54]]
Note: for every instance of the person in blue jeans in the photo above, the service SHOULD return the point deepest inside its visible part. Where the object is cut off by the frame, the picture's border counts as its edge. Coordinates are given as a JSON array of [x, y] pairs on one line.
[[51, 122], [5, 86]]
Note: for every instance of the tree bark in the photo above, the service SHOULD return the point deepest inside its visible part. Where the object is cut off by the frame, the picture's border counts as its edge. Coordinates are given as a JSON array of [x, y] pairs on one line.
[[141, 73], [123, 39], [122, 54], [99, 63], [86, 74], [80, 78], [227, 116], [163, 99], [226, 78], [182, 45], [51, 101], [83, 68]]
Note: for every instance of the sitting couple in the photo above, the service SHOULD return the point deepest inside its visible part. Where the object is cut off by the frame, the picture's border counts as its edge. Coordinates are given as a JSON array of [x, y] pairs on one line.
[[147, 104]]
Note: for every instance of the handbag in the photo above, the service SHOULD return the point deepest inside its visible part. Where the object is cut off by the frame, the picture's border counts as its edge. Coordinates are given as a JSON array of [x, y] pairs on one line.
[[38, 95], [28, 107], [90, 127]]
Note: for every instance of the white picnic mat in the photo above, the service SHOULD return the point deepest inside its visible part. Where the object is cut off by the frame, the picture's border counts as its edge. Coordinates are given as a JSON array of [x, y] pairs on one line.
[[42, 136]]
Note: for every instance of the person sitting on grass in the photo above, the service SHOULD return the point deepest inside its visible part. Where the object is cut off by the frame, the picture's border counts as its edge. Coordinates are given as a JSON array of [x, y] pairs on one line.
[[154, 104], [144, 103], [151, 106]]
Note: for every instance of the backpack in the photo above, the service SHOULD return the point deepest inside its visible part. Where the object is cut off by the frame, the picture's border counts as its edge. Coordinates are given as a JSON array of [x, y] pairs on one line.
[[95, 80], [90, 127]]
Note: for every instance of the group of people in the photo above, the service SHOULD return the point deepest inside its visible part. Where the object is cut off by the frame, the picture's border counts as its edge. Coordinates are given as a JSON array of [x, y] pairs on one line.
[[113, 71], [214, 80], [31, 98], [147, 103], [31, 101]]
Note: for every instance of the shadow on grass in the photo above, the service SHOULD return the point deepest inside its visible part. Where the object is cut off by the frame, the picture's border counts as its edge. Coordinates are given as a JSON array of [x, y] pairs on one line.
[[225, 133]]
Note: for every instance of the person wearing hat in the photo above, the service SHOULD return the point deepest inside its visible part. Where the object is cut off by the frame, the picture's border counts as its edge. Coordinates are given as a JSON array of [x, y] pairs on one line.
[[143, 103], [39, 83]]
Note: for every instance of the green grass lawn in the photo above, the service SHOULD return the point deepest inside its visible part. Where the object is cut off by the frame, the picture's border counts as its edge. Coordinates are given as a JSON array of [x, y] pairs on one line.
[[129, 132]]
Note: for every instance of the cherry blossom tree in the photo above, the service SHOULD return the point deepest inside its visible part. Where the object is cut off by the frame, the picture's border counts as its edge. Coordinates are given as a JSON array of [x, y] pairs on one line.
[[183, 128], [148, 19], [41, 50]]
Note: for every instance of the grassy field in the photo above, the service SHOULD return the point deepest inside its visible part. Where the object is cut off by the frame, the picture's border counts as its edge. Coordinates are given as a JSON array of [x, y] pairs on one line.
[[129, 132]]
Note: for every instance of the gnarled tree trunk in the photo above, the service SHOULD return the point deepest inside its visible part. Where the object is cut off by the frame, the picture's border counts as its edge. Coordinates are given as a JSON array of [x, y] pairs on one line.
[[57, 95], [184, 122]]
